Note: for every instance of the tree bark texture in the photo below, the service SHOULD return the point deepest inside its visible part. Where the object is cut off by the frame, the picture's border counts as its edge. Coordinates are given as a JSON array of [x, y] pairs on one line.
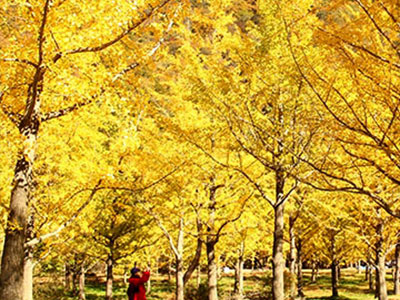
[[12, 262], [334, 277], [299, 262], [179, 275], [292, 260], [370, 278], [314, 271], [109, 280], [381, 289], [278, 262], [180, 287], [212, 271], [28, 276], [198, 276], [396, 277], [82, 295], [238, 285]]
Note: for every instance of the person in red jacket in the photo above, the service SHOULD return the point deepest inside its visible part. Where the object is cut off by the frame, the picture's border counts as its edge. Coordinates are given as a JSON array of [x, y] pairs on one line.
[[136, 290]]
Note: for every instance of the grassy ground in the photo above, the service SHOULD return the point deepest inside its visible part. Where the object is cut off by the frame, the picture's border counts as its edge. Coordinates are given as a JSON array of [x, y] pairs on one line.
[[256, 285]]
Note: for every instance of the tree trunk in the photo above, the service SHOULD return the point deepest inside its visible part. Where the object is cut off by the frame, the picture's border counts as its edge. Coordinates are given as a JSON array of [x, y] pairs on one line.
[[148, 288], [198, 276], [148, 283], [28, 276], [196, 259], [82, 283], [68, 277], [334, 282], [238, 285], [110, 277], [381, 289], [366, 272], [334, 263], [28, 262], [278, 263], [179, 274], [370, 278], [292, 259], [396, 277], [180, 287], [212, 271], [299, 262], [126, 277], [75, 280], [313, 271], [13, 258], [12, 261], [169, 271]]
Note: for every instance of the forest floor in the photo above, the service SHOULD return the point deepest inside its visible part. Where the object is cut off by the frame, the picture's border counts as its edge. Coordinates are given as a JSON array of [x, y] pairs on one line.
[[256, 286]]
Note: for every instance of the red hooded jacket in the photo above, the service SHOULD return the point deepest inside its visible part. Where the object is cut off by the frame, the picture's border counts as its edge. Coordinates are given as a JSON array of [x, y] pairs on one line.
[[140, 283]]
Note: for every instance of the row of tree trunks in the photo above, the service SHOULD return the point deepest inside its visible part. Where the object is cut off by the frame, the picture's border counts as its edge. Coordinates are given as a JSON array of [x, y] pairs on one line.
[[74, 279]]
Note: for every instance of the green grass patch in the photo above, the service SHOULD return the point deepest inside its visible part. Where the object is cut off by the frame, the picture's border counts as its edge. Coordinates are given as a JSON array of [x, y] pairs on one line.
[[257, 286]]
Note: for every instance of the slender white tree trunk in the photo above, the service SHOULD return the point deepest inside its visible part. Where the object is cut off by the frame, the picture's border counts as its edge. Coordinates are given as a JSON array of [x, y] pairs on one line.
[[28, 277]]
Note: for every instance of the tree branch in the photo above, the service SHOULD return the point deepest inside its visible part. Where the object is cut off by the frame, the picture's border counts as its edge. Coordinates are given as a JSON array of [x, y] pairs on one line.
[[130, 28], [62, 112], [68, 222]]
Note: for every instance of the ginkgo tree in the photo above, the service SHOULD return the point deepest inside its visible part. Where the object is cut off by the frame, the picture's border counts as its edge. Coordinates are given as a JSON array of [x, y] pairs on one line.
[[254, 114], [354, 77], [55, 65]]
